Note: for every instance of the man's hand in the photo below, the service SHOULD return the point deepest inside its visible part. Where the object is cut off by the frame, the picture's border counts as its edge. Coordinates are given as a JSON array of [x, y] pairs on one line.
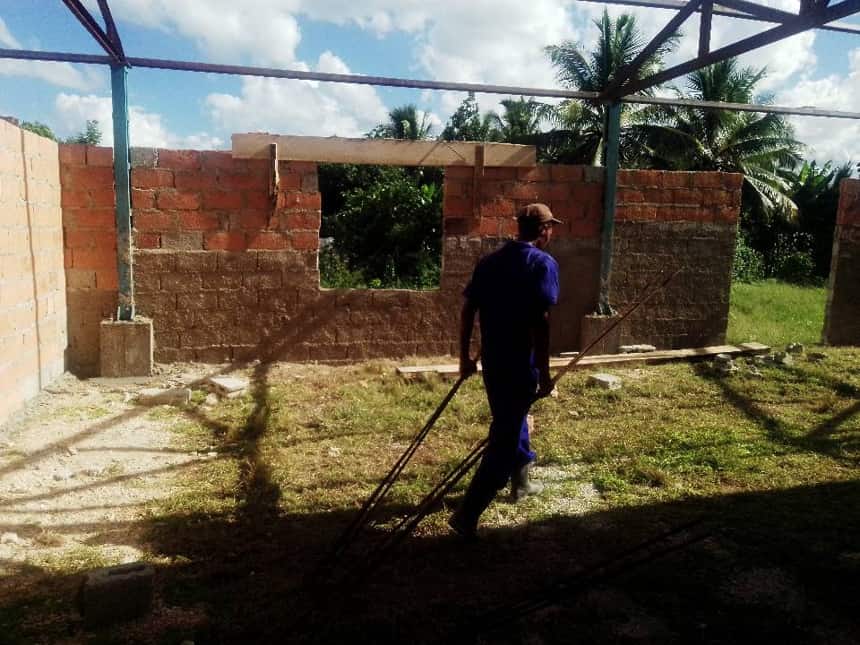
[[468, 366]]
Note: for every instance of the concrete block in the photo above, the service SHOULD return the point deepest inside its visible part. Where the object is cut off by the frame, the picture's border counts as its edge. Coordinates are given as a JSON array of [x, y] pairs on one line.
[[636, 349], [228, 386], [126, 347], [115, 594], [164, 396], [594, 325], [605, 381]]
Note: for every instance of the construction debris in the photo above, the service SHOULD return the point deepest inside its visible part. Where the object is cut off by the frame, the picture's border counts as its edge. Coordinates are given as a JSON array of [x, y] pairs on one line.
[[781, 358], [164, 396], [114, 594], [724, 364], [227, 386], [794, 348], [605, 381], [636, 349]]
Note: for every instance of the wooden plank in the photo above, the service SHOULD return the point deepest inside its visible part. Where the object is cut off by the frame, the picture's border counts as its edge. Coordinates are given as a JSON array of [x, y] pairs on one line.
[[389, 152], [647, 358]]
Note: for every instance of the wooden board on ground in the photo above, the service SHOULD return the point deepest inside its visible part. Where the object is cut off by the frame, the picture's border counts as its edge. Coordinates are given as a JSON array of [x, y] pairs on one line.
[[390, 152], [647, 358]]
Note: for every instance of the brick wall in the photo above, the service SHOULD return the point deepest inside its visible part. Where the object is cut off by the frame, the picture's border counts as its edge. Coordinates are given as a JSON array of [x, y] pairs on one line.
[[89, 223], [669, 220], [32, 285], [842, 318], [229, 273]]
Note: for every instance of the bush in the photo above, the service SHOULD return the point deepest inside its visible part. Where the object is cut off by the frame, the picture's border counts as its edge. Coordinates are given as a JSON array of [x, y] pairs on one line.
[[748, 264]]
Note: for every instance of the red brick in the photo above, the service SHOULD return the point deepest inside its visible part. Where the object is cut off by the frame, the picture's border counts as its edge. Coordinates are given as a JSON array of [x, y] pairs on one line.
[[459, 172], [172, 200], [707, 180], [218, 159], [107, 280], [537, 173], [179, 159], [222, 199], [151, 178], [584, 228], [637, 212], [68, 259], [195, 180], [155, 221], [89, 239], [94, 259], [99, 156], [258, 199], [566, 173], [195, 221], [630, 196], [639, 178], [70, 198], [246, 219], [290, 182], [86, 177], [456, 206], [677, 179], [268, 240], [716, 197], [499, 207], [305, 240], [727, 214], [686, 196], [588, 193], [553, 192], [458, 187], [80, 279], [524, 191], [142, 198], [298, 167], [72, 154], [102, 197], [224, 241], [242, 181], [508, 227], [146, 240], [300, 200], [500, 173], [490, 227], [733, 181], [99, 218], [457, 226], [303, 220], [568, 210]]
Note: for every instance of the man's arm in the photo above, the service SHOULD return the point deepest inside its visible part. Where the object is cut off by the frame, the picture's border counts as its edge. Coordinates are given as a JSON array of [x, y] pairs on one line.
[[468, 365], [541, 350]]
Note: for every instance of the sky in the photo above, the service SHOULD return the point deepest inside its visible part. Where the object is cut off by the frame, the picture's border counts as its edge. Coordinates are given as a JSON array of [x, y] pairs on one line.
[[480, 41]]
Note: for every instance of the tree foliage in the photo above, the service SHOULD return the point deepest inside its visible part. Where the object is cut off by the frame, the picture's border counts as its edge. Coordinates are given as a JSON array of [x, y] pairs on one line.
[[90, 135], [39, 128]]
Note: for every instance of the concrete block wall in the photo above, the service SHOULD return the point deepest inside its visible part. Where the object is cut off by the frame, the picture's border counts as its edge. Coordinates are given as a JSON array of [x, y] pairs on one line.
[[89, 224], [842, 317], [670, 220], [32, 283], [229, 272]]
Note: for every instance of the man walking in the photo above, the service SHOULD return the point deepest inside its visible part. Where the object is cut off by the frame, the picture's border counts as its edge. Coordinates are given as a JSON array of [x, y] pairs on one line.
[[511, 290]]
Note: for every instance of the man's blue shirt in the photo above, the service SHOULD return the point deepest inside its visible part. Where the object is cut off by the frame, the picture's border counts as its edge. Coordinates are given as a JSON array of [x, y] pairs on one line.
[[512, 288]]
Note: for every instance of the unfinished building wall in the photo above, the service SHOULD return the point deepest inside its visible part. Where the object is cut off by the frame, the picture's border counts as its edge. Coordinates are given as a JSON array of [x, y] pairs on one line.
[[32, 285], [229, 271], [89, 222], [667, 221], [842, 317]]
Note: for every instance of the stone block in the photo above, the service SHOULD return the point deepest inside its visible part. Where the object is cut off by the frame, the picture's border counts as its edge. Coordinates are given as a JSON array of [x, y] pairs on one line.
[[605, 381], [115, 594], [126, 347]]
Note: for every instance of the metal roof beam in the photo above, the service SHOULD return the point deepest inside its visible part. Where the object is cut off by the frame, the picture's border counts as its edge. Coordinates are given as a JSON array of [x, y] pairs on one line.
[[86, 19], [760, 11], [629, 71], [797, 25], [112, 33], [844, 27], [188, 66]]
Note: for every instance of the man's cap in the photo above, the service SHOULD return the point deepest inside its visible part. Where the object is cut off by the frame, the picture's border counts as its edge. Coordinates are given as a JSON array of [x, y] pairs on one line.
[[537, 213]]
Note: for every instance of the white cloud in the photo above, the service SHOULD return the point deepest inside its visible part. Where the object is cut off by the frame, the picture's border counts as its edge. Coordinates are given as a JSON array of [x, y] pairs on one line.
[[60, 74], [827, 139], [300, 107], [146, 129]]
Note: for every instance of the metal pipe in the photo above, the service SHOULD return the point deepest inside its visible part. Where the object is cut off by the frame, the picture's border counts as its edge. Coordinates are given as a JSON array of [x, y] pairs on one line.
[[119, 98], [610, 189]]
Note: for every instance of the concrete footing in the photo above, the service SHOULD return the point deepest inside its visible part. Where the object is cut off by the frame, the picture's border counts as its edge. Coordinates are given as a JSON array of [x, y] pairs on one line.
[[126, 347], [594, 325]]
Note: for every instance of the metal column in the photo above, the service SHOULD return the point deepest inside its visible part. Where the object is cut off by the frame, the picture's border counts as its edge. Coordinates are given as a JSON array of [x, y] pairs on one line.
[[119, 95], [610, 179]]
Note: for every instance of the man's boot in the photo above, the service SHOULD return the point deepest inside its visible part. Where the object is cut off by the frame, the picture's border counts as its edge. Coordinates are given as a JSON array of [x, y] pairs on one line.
[[521, 486], [478, 496]]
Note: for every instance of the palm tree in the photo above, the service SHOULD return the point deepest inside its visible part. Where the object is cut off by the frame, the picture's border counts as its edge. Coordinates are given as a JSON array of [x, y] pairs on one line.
[[403, 123], [467, 123], [578, 136], [756, 145], [520, 122]]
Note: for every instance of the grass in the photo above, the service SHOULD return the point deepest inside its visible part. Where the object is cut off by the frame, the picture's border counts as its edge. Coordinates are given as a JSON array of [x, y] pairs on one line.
[[771, 463], [776, 313]]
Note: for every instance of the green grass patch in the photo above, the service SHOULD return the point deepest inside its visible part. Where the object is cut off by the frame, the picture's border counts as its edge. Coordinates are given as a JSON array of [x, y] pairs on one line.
[[776, 313]]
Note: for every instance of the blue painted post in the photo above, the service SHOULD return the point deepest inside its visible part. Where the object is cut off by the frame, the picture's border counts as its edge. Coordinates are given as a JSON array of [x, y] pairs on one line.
[[119, 74], [613, 135]]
